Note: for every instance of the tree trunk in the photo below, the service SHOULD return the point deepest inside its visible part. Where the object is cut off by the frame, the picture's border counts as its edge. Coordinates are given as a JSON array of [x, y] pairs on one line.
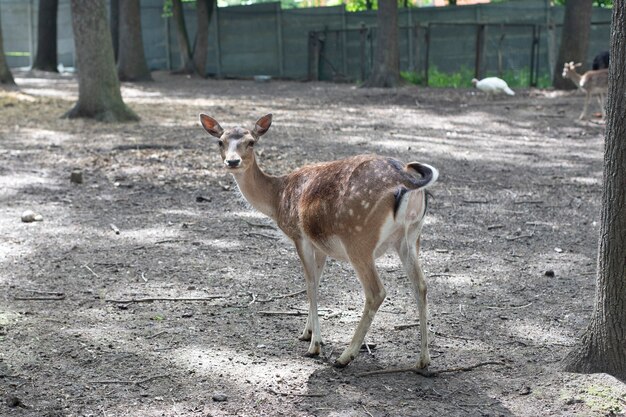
[[6, 78], [187, 64], [114, 21], [204, 10], [131, 63], [603, 347], [46, 56], [386, 68], [574, 40], [99, 94]]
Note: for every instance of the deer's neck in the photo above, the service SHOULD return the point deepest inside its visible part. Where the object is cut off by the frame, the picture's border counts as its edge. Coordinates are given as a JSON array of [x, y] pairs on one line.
[[260, 189], [574, 76]]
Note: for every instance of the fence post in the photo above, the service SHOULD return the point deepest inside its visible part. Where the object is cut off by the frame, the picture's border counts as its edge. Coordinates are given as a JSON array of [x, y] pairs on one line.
[[416, 47], [279, 39], [480, 45], [314, 57], [362, 36], [344, 41], [218, 47], [409, 35], [427, 58], [534, 57]]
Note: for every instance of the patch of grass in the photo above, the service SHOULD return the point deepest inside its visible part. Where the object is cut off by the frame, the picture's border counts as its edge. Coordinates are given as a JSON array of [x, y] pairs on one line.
[[603, 399], [463, 78]]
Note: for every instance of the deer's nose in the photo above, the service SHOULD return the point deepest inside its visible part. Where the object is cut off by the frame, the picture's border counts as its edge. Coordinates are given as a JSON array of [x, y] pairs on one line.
[[232, 163]]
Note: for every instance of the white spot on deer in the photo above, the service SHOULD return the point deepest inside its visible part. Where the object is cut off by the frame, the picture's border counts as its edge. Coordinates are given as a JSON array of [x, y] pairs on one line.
[[358, 228], [350, 212]]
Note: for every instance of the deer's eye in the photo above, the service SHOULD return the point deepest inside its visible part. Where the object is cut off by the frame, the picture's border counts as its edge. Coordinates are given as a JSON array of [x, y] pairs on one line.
[[250, 143], [220, 143]]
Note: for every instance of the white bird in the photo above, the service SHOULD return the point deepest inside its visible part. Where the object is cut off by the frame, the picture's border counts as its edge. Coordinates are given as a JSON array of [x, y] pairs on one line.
[[492, 86]]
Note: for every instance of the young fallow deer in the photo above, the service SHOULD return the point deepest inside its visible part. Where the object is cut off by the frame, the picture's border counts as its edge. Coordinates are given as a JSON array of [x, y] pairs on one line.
[[352, 209], [591, 82]]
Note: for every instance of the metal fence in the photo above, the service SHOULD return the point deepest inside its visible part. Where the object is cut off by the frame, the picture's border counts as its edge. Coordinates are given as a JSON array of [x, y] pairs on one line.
[[478, 48], [329, 43]]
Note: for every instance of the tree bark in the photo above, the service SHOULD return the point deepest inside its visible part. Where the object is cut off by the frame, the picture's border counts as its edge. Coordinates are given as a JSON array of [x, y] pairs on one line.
[[99, 94], [187, 64], [603, 345], [6, 78], [46, 56], [386, 68], [204, 11], [574, 40], [114, 22], [131, 64]]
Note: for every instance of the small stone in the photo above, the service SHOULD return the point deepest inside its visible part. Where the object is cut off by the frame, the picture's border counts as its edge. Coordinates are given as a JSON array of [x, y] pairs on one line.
[[30, 216], [76, 176], [12, 401], [219, 397], [549, 273]]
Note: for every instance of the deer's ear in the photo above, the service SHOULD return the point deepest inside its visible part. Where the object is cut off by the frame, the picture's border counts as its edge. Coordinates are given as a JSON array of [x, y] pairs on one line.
[[210, 125], [262, 125]]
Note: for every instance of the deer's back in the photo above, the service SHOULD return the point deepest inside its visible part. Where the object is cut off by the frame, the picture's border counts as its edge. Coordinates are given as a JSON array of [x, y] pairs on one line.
[[341, 197]]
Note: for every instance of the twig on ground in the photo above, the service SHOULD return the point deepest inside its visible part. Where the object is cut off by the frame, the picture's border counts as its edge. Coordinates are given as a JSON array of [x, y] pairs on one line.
[[130, 382], [405, 326], [57, 298], [91, 270], [156, 335], [169, 241], [282, 313], [58, 293], [261, 225], [495, 226], [531, 234], [277, 297], [427, 373], [366, 410], [508, 307], [151, 299], [294, 394], [143, 276], [439, 275], [529, 202], [261, 235], [475, 201], [115, 228]]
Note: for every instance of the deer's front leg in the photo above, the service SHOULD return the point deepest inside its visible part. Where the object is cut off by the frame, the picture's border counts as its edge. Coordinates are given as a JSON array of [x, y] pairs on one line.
[[313, 262], [583, 115]]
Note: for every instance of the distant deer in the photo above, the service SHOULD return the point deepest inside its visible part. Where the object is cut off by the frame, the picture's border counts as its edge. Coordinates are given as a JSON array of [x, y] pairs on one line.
[[591, 82], [353, 209]]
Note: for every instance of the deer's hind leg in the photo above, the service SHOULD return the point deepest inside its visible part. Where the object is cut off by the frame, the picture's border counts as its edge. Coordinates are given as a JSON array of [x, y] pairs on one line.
[[408, 250], [374, 297], [313, 261]]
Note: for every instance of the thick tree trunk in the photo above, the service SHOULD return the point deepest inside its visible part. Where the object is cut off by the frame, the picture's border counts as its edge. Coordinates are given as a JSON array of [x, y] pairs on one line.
[[574, 39], [99, 94], [386, 69], [46, 56], [187, 64], [114, 23], [204, 10], [6, 78], [603, 347], [131, 64]]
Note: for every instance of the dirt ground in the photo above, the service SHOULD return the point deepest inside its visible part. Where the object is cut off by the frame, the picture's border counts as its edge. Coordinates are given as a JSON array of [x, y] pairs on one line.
[[509, 252]]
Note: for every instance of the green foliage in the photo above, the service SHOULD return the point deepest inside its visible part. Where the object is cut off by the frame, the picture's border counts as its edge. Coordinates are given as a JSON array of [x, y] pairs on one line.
[[597, 3], [463, 78]]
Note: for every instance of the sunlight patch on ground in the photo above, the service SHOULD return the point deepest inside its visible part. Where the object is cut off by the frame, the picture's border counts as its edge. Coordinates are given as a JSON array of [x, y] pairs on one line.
[[260, 370], [539, 335]]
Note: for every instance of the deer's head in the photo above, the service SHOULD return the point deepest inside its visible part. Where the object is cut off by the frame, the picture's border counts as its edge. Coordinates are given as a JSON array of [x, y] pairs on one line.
[[236, 145], [570, 68]]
